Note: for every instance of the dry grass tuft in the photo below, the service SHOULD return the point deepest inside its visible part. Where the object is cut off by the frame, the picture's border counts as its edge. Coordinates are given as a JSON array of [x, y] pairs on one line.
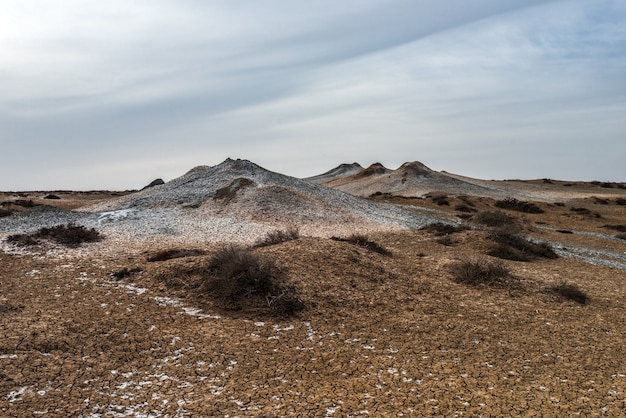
[[570, 292], [481, 272]]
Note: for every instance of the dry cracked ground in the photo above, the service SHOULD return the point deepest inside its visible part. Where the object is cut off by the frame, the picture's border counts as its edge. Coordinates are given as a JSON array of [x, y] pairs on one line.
[[381, 335]]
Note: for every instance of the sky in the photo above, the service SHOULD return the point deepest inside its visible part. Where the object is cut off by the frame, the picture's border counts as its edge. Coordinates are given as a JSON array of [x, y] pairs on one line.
[[113, 94]]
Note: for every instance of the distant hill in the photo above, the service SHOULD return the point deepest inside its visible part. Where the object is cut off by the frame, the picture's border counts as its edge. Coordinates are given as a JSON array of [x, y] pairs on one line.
[[410, 179]]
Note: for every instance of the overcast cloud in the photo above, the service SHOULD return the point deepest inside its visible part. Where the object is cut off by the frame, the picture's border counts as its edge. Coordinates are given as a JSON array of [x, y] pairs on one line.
[[111, 95]]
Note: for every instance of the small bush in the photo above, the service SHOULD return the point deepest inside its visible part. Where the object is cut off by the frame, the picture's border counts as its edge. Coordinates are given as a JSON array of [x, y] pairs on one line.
[[520, 247], [5, 212], [621, 236], [70, 235], [464, 208], [495, 219], [439, 198], [125, 272], [277, 237], [236, 273], [600, 201], [175, 253], [24, 203], [618, 228], [620, 201], [518, 205], [22, 240], [440, 228], [363, 241], [481, 272], [570, 292], [447, 240], [506, 252], [582, 211]]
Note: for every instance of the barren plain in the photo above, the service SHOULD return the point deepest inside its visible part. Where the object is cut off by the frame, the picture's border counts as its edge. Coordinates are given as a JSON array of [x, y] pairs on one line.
[[98, 330]]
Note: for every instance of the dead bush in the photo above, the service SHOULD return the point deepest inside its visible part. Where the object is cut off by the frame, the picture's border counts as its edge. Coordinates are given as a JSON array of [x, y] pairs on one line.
[[235, 274], [481, 272], [22, 240], [439, 199], [495, 219], [364, 242], [440, 228], [175, 253], [125, 272], [515, 247], [518, 205], [277, 237], [69, 235], [570, 292], [5, 212]]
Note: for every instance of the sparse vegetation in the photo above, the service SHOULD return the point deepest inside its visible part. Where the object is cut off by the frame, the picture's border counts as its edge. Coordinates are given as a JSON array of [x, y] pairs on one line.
[[5, 212], [517, 248], [621, 236], [518, 205], [125, 272], [495, 219], [570, 292], [447, 240], [620, 201], [439, 199], [70, 235], [235, 274], [364, 242], [175, 253], [277, 237], [440, 228], [618, 228], [599, 201], [481, 272], [464, 208]]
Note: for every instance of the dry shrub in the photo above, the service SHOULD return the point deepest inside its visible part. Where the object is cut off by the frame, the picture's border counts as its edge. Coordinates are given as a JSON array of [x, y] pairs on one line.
[[277, 237], [518, 205], [515, 247], [621, 236], [620, 201], [235, 274], [439, 199], [125, 272], [440, 228], [364, 242], [618, 228], [495, 219], [175, 253], [570, 292], [69, 235], [22, 240], [5, 212], [481, 272]]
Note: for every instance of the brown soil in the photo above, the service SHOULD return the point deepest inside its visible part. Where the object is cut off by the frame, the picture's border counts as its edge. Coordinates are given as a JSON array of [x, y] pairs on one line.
[[381, 335]]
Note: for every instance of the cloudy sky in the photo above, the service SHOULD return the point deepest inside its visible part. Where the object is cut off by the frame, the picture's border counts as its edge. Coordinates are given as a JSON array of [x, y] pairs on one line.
[[113, 94]]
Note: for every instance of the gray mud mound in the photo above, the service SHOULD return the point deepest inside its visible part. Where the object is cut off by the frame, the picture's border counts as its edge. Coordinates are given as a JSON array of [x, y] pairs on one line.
[[242, 189], [410, 179]]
